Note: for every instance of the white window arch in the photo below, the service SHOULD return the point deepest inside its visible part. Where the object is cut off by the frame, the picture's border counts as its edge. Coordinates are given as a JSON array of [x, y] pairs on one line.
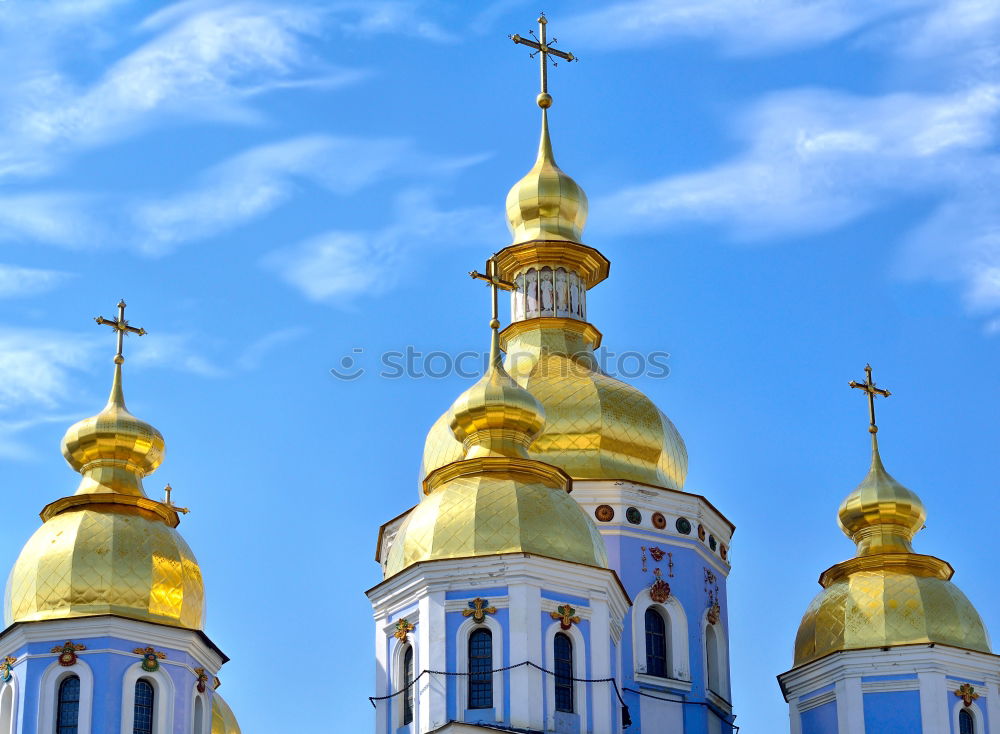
[[580, 653], [715, 658], [462, 648], [201, 713], [163, 699], [8, 706], [677, 626], [399, 675], [48, 695], [974, 711]]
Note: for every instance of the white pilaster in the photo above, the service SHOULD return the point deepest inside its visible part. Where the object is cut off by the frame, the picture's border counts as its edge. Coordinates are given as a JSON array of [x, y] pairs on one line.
[[850, 707], [432, 649], [933, 706], [525, 644], [794, 718], [382, 708], [993, 707], [600, 662]]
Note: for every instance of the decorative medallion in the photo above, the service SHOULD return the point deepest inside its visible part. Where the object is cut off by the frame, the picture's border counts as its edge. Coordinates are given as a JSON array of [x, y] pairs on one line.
[[683, 526], [566, 616], [659, 521], [150, 658], [660, 590], [724, 552], [701, 532], [478, 609], [403, 628], [605, 513], [6, 668], [202, 679], [712, 542], [657, 553], [967, 693], [633, 515], [67, 653], [713, 614]]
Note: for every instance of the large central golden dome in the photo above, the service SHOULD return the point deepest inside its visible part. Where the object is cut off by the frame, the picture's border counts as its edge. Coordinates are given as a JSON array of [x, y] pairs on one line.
[[108, 549]]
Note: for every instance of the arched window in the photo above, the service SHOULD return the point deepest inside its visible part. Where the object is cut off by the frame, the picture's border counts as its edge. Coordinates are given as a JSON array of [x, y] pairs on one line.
[[142, 720], [480, 669], [68, 710], [199, 715], [656, 644], [712, 672], [407, 684], [562, 656], [966, 724], [7, 710]]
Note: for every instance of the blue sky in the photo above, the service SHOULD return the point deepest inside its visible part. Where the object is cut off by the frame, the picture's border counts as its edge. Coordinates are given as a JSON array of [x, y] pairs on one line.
[[786, 190]]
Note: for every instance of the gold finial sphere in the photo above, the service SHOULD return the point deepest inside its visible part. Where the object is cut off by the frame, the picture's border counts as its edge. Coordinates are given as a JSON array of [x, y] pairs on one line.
[[542, 19], [494, 324], [119, 359], [544, 100]]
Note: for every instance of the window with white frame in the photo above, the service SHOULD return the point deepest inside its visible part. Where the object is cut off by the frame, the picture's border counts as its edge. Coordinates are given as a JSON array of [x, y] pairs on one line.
[[659, 639], [406, 678], [713, 662], [657, 629], [481, 669], [68, 705]]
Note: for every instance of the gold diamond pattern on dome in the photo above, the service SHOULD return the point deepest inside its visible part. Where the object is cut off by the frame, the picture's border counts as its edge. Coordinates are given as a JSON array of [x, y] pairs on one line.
[[596, 427], [223, 719], [88, 562], [489, 514]]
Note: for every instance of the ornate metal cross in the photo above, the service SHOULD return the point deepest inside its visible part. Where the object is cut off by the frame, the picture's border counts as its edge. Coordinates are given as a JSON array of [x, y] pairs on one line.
[[478, 609], [495, 283], [121, 327], [168, 501], [967, 693], [542, 46], [869, 387], [566, 615]]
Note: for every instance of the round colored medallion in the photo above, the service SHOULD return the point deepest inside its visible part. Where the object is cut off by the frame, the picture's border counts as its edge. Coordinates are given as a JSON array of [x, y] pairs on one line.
[[604, 513], [633, 515], [723, 551], [712, 542], [659, 521], [701, 532], [683, 526]]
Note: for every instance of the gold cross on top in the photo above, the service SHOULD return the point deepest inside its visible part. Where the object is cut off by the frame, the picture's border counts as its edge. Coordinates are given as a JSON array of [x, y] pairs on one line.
[[542, 46], [495, 283], [121, 327], [869, 387], [169, 502]]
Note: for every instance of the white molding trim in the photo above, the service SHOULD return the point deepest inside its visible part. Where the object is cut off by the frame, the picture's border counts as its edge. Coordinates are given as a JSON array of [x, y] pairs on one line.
[[680, 654], [462, 658], [889, 686], [974, 711], [933, 702], [721, 658], [164, 699], [48, 695], [580, 655], [9, 705], [851, 707], [460, 605], [396, 677]]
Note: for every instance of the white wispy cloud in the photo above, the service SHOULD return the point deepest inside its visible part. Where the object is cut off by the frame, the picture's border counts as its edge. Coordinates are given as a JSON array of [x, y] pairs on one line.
[[36, 366], [253, 355], [339, 264], [738, 26], [16, 281], [175, 351]]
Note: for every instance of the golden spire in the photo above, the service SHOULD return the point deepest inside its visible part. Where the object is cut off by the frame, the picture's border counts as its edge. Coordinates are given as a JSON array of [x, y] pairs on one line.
[[880, 515], [114, 450], [496, 416], [546, 205]]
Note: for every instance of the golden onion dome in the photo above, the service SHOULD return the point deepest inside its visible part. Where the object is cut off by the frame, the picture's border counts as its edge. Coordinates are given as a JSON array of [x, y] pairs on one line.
[[492, 499], [223, 719], [887, 595], [596, 426], [108, 549], [546, 204]]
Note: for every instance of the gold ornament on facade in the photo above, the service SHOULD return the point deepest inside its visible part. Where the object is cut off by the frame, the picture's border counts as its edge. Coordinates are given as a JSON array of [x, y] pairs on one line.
[[967, 693], [109, 549], [7, 669], [660, 590], [67, 652], [403, 629], [566, 615], [202, 678], [151, 658], [888, 594], [478, 609]]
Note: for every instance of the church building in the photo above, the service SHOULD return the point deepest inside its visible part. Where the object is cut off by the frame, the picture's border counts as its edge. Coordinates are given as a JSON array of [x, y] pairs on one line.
[[555, 575], [105, 606]]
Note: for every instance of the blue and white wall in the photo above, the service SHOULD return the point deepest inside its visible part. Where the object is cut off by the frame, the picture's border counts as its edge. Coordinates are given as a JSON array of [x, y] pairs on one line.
[[108, 669], [900, 690]]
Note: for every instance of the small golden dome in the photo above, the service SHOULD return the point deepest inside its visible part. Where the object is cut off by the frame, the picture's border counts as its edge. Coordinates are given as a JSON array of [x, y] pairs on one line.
[[126, 562], [223, 719], [496, 416], [113, 450], [546, 204], [596, 427]]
